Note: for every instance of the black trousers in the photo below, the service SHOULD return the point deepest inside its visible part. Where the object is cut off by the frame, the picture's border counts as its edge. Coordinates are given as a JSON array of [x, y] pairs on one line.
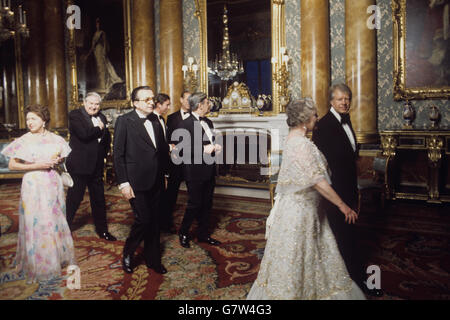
[[146, 225], [347, 242], [170, 198], [94, 183], [199, 207]]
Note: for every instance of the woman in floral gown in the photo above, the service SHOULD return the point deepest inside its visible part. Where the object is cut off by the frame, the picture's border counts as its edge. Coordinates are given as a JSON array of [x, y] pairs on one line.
[[301, 258], [45, 243]]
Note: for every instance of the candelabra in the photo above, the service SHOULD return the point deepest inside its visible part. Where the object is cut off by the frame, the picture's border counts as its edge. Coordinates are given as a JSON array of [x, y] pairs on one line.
[[281, 76], [9, 26], [227, 65], [190, 75]]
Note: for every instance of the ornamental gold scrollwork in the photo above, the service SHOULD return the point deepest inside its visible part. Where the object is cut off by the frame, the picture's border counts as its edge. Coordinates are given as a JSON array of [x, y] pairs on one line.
[[434, 146], [388, 144]]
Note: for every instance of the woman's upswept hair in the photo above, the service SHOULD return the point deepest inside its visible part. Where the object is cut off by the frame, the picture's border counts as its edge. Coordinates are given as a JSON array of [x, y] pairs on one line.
[[300, 111]]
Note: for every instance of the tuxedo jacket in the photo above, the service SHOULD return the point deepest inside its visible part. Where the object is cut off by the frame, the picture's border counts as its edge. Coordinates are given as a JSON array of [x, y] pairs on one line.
[[164, 157], [174, 121], [331, 139], [201, 171], [86, 150], [136, 158]]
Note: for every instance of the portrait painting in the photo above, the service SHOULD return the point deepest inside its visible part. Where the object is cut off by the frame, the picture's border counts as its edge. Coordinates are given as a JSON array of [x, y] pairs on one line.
[[422, 47], [99, 48]]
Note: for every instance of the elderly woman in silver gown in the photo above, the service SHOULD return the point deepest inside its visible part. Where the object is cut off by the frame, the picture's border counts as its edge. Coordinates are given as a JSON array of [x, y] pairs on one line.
[[301, 258]]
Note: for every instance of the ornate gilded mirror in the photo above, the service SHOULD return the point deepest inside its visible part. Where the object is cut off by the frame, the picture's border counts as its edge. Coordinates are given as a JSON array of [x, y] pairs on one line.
[[240, 49]]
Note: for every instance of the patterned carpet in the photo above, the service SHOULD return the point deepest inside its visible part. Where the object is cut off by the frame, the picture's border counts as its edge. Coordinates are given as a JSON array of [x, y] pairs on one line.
[[410, 243]]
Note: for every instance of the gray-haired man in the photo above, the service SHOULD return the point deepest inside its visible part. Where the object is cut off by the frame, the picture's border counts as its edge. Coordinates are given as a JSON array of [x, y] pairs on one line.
[[90, 142], [198, 173]]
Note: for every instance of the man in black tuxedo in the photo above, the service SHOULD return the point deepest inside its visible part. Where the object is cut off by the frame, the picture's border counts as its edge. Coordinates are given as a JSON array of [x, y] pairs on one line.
[[90, 142], [162, 105], [199, 169], [175, 178], [335, 137], [137, 161]]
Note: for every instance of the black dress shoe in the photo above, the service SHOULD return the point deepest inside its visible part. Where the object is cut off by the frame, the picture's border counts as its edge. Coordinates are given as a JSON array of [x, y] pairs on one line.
[[160, 269], [126, 264], [107, 236], [184, 240], [210, 241], [374, 292]]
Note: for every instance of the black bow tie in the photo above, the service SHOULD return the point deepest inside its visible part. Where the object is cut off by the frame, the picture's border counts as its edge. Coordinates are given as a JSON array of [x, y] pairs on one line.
[[345, 118], [202, 118], [142, 120]]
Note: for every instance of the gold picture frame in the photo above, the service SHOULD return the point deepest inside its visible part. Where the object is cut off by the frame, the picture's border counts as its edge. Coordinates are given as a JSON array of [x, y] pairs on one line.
[[278, 36], [126, 71], [414, 65]]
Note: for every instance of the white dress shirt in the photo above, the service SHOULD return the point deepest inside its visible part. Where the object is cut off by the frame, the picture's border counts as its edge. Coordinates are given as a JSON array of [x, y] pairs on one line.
[[148, 126], [205, 127], [96, 122], [346, 128], [184, 114]]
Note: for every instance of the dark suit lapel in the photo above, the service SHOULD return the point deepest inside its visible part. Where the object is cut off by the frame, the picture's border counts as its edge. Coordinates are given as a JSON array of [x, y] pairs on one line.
[[139, 126], [342, 132]]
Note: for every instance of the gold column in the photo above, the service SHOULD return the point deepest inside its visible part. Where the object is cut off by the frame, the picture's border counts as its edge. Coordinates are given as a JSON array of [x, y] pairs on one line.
[[360, 61], [143, 43], [171, 50], [54, 27], [315, 52], [35, 55]]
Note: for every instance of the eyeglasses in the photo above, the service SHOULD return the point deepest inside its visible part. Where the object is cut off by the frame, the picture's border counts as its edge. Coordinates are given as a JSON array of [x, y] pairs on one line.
[[148, 100]]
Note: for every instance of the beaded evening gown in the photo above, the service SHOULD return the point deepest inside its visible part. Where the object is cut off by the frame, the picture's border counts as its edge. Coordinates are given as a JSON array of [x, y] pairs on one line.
[[301, 258], [44, 244]]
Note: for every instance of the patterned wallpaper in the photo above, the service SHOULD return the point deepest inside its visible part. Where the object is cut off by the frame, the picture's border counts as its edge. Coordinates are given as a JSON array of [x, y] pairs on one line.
[[337, 40], [389, 111], [292, 15], [191, 31]]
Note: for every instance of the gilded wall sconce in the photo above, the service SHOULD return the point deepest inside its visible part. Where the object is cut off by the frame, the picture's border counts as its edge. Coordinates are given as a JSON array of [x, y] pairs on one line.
[[281, 76], [190, 75]]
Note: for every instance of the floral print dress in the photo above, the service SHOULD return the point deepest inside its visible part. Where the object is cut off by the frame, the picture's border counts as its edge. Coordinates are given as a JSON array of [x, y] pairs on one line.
[[44, 243]]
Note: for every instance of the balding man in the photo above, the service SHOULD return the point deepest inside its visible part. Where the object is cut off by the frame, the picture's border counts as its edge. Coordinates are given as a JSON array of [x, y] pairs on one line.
[[90, 142]]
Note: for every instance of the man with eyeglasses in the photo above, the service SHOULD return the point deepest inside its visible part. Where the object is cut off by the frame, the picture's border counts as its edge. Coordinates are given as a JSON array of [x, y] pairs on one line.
[[137, 154]]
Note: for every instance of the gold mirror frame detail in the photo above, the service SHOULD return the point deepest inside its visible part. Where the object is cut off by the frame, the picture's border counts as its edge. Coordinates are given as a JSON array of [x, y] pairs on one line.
[[74, 103], [19, 82], [278, 36], [399, 43]]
